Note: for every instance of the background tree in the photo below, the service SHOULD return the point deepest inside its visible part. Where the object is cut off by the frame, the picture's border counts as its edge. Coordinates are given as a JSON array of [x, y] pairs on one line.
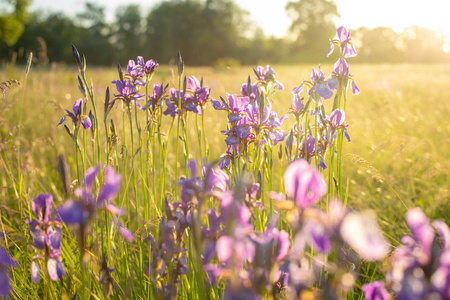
[[202, 30], [96, 34], [312, 27], [128, 33], [12, 19]]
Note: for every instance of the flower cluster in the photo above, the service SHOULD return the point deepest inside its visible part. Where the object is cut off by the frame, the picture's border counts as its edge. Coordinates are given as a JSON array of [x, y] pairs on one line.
[[193, 98], [250, 116], [82, 211], [46, 233], [5, 262]]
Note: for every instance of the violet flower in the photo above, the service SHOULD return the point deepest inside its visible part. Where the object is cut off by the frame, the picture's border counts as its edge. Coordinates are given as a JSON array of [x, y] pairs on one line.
[[304, 184], [46, 235], [375, 291], [267, 76], [344, 41], [421, 265], [76, 116], [82, 211], [148, 66], [6, 262], [127, 92], [320, 85], [135, 74]]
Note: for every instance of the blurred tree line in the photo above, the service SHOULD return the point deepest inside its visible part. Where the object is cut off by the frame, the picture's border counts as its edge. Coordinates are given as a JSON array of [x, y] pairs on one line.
[[207, 32]]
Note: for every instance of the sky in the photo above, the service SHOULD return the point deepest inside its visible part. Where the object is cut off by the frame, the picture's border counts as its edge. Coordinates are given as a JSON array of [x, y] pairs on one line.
[[273, 19]]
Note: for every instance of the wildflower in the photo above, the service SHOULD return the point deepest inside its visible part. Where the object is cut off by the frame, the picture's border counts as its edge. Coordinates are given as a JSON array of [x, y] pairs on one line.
[[345, 43], [126, 92], [5, 262], [76, 116], [148, 66], [249, 90], [135, 74], [267, 76], [46, 235], [82, 211], [421, 265], [304, 184], [297, 106], [321, 86], [157, 95], [375, 291]]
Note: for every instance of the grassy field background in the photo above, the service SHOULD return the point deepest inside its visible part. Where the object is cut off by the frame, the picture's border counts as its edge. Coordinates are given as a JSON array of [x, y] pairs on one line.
[[399, 156]]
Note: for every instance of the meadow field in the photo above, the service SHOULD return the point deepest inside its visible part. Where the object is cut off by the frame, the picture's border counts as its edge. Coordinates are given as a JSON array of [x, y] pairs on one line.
[[398, 159]]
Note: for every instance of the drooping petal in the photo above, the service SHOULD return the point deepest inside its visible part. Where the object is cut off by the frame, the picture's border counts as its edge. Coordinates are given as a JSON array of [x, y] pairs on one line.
[[54, 237], [217, 104], [355, 89], [35, 271], [6, 260], [323, 90], [73, 212], [330, 50], [38, 234], [124, 232], [86, 122], [111, 185], [55, 269]]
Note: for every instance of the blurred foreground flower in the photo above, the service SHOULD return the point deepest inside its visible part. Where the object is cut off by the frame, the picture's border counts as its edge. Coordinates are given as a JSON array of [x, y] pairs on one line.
[[5, 262]]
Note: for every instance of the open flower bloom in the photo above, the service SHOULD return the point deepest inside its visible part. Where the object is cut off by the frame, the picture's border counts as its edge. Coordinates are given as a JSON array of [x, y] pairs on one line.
[[5, 262], [76, 115], [345, 43], [83, 210], [304, 184]]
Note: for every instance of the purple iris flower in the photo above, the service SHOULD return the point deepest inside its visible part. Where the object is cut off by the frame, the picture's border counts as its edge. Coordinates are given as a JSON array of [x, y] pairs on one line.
[[344, 41], [148, 66], [321, 86], [304, 184], [199, 94], [375, 291], [267, 75], [127, 92], [237, 107], [156, 96], [83, 210], [297, 106], [46, 235], [76, 116], [6, 262], [135, 73], [249, 91], [341, 71], [421, 264]]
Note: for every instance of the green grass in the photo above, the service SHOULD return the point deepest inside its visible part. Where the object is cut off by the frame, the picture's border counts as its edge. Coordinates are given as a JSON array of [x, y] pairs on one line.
[[399, 155]]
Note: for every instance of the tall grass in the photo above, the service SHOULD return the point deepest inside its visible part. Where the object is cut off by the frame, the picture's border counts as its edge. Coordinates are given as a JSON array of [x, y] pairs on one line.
[[397, 160]]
